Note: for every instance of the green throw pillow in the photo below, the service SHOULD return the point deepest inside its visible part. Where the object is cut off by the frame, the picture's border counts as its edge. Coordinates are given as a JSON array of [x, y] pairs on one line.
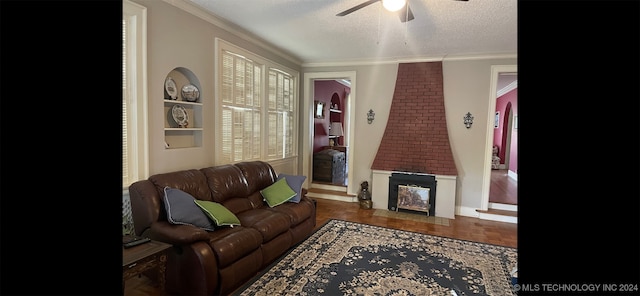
[[278, 193], [218, 213], [295, 182]]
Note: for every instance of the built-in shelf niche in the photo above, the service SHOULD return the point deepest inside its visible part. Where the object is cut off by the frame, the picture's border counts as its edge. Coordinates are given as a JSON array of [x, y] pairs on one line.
[[176, 137]]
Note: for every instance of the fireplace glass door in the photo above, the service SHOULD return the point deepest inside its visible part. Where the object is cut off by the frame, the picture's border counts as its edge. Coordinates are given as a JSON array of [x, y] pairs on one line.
[[413, 198]]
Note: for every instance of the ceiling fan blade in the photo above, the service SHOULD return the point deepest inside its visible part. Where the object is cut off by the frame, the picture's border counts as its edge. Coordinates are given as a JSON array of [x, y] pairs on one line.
[[359, 6], [405, 13]]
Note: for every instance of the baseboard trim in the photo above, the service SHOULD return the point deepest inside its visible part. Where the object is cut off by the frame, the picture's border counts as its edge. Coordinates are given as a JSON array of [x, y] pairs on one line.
[[499, 218], [501, 206], [472, 212], [467, 212], [332, 197], [329, 187]]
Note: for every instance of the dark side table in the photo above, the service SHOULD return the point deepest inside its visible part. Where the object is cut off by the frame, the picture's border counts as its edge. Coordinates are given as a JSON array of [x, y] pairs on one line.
[[138, 259]]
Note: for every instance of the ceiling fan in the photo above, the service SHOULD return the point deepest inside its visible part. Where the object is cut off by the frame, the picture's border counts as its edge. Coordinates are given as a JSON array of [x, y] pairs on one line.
[[402, 6]]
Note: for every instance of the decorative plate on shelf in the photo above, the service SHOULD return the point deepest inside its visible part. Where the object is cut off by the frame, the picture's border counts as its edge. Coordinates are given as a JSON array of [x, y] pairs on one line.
[[190, 93], [180, 115], [170, 88]]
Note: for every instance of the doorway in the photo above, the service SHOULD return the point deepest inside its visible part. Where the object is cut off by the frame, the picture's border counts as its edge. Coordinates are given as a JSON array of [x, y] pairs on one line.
[[308, 125], [504, 186], [502, 183], [329, 146]]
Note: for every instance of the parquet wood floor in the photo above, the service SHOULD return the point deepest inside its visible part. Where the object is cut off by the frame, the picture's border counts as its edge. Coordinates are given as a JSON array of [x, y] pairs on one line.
[[503, 189], [465, 228]]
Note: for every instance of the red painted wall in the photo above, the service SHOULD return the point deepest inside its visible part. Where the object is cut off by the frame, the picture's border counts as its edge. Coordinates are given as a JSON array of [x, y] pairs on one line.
[[323, 91], [416, 138], [503, 104]]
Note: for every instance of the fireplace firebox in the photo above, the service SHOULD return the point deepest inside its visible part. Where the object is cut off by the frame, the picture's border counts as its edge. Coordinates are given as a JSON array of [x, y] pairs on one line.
[[412, 193]]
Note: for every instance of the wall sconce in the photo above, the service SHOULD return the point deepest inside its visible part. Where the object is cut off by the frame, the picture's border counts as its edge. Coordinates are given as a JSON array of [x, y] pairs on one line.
[[468, 120], [370, 116]]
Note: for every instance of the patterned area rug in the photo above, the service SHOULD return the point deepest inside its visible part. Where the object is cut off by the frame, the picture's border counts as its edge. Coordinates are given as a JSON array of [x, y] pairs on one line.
[[412, 217], [346, 258]]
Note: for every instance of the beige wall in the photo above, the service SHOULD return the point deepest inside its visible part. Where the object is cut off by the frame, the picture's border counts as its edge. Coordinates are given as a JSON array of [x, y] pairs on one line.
[[177, 38], [467, 86], [375, 92], [466, 89]]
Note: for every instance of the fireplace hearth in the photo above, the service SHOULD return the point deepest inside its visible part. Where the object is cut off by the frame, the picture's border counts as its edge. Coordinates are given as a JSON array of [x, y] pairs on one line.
[[412, 193]]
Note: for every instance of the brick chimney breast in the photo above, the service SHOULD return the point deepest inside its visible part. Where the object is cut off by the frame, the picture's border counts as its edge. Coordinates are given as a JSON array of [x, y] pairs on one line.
[[416, 138]]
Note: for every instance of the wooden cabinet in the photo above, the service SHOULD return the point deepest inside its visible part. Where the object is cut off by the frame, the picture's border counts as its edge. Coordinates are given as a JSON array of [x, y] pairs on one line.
[[138, 259]]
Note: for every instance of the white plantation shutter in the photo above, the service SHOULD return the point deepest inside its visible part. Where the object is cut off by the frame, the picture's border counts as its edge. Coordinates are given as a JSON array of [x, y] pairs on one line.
[[240, 95], [125, 150], [257, 112], [280, 115]]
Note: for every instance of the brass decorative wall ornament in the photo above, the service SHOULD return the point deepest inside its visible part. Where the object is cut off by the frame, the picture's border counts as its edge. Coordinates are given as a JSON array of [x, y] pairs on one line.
[[468, 120], [370, 116]]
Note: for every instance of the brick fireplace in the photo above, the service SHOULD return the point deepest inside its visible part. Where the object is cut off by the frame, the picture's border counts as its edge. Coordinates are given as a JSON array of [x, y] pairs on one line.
[[416, 140]]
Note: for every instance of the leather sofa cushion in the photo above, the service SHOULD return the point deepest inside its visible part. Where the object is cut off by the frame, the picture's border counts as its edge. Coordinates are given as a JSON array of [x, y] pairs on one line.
[[297, 212], [269, 223], [227, 182], [237, 205], [258, 174], [232, 243], [190, 181]]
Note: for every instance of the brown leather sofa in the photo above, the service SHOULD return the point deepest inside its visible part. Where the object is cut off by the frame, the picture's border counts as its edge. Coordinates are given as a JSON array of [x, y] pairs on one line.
[[218, 262]]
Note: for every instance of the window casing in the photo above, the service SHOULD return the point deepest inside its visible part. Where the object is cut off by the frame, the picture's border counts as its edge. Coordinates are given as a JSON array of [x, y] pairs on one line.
[[258, 107], [134, 94]]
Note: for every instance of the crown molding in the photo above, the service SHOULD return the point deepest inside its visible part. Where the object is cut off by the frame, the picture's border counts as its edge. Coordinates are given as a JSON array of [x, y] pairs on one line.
[[370, 62], [215, 20], [344, 82], [506, 89]]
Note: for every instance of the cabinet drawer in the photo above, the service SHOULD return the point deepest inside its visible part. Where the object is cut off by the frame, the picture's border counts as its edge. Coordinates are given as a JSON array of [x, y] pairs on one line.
[[140, 266]]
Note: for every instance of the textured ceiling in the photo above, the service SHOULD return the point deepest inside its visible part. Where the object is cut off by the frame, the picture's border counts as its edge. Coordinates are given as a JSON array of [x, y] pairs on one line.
[[310, 31]]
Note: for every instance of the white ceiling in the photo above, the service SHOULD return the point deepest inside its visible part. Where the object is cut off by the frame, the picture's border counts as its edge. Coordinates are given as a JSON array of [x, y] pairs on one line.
[[310, 31]]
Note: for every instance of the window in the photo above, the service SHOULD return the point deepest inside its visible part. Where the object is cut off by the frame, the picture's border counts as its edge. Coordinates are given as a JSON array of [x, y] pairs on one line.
[[134, 94], [281, 115], [258, 103]]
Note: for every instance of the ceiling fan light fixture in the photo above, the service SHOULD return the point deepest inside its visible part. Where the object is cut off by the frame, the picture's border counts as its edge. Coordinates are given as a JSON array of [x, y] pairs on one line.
[[393, 5]]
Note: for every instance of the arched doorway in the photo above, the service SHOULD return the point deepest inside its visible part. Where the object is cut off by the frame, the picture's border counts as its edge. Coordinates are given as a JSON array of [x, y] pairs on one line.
[[506, 136]]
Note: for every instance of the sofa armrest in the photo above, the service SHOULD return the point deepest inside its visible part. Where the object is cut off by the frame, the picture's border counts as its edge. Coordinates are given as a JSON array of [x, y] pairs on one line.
[[177, 234], [192, 270]]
